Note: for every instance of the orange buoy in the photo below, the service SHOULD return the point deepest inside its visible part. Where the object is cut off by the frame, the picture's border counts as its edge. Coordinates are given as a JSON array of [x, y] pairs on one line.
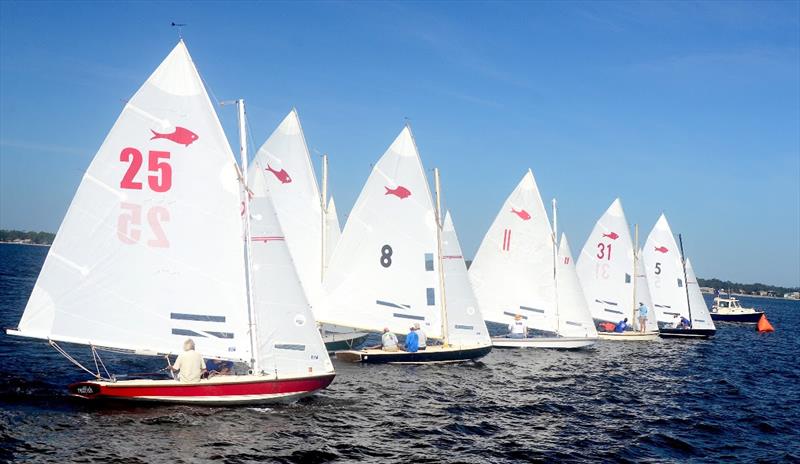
[[764, 325]]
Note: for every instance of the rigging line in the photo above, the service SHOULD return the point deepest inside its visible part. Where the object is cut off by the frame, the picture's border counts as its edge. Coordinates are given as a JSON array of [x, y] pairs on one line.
[[71, 359], [99, 358]]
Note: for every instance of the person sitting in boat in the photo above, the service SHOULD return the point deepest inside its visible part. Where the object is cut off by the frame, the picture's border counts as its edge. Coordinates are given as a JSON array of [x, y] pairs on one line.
[[684, 323], [388, 340], [621, 326], [218, 367], [423, 339], [412, 341], [518, 329], [189, 364], [643, 310]]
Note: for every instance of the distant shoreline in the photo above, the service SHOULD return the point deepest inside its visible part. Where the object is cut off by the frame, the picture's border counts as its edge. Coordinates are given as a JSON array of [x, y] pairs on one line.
[[754, 296], [28, 244]]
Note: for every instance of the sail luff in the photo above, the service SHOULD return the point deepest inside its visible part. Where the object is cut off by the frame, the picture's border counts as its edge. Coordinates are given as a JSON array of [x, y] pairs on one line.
[[439, 264], [247, 244]]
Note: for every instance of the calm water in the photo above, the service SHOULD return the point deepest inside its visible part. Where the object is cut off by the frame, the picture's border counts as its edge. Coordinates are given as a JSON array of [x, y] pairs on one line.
[[734, 398]]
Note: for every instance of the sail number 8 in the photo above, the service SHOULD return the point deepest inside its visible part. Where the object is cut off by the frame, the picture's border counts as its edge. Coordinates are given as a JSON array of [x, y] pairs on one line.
[[386, 256], [160, 181]]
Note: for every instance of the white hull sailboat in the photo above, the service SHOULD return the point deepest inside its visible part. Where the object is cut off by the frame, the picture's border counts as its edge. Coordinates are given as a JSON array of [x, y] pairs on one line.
[[519, 271], [398, 263], [614, 283], [283, 167], [674, 286], [155, 248]]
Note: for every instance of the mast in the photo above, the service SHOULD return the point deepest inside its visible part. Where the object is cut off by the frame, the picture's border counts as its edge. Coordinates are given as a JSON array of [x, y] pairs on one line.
[[439, 253], [685, 279], [323, 202], [635, 268], [555, 262], [251, 317]]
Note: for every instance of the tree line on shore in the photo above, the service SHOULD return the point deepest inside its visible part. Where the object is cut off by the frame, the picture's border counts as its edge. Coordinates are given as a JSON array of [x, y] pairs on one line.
[[19, 236]]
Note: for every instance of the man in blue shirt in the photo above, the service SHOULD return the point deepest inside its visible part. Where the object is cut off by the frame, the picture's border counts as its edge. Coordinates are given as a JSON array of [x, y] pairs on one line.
[[643, 310], [412, 341], [621, 326]]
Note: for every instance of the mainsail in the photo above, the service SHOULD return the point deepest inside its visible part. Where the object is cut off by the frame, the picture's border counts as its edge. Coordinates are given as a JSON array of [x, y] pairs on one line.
[[574, 318], [513, 269], [384, 271], [609, 273], [150, 250], [334, 231], [665, 274], [284, 165], [465, 325]]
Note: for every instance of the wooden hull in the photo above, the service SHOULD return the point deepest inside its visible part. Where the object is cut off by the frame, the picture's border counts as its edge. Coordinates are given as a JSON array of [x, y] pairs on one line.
[[219, 390], [747, 318], [432, 355], [687, 333], [629, 336], [564, 343]]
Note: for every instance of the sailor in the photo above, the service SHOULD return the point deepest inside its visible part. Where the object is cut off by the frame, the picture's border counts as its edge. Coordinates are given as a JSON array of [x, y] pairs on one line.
[[218, 367], [643, 310], [621, 326], [518, 329], [189, 364], [685, 323], [423, 339], [388, 340], [412, 341]]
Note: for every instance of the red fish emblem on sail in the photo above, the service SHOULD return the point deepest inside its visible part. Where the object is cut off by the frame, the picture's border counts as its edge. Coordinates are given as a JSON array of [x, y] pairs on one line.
[[662, 249], [400, 192], [611, 235], [281, 175], [180, 135], [522, 214]]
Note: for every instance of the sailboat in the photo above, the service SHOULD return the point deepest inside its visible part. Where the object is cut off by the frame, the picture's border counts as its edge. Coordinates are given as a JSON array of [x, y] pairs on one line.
[[283, 167], [674, 287], [518, 271], [154, 249], [397, 263], [613, 280]]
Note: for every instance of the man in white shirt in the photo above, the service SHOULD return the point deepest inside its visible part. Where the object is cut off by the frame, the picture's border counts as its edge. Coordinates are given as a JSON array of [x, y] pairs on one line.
[[518, 328], [423, 339], [189, 364], [388, 340]]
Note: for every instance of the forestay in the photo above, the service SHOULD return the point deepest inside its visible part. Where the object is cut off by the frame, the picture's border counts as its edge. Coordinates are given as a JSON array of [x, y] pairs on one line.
[[150, 251], [464, 319], [662, 263], [701, 318], [574, 317], [513, 269], [384, 271], [606, 269]]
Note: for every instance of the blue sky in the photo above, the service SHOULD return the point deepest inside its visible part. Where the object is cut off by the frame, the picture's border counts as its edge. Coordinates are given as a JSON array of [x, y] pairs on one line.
[[688, 108]]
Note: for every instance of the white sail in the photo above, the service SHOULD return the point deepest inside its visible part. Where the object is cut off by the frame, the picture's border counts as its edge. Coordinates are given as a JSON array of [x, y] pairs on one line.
[[289, 342], [574, 317], [283, 162], [383, 272], [643, 296], [150, 251], [606, 267], [513, 269], [662, 263], [334, 231], [464, 319], [701, 318]]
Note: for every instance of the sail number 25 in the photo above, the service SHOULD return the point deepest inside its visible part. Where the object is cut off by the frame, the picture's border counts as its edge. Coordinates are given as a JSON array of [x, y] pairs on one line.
[[160, 179], [129, 225]]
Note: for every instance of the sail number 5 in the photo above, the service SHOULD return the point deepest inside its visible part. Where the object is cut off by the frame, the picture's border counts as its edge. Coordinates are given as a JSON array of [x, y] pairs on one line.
[[161, 179]]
